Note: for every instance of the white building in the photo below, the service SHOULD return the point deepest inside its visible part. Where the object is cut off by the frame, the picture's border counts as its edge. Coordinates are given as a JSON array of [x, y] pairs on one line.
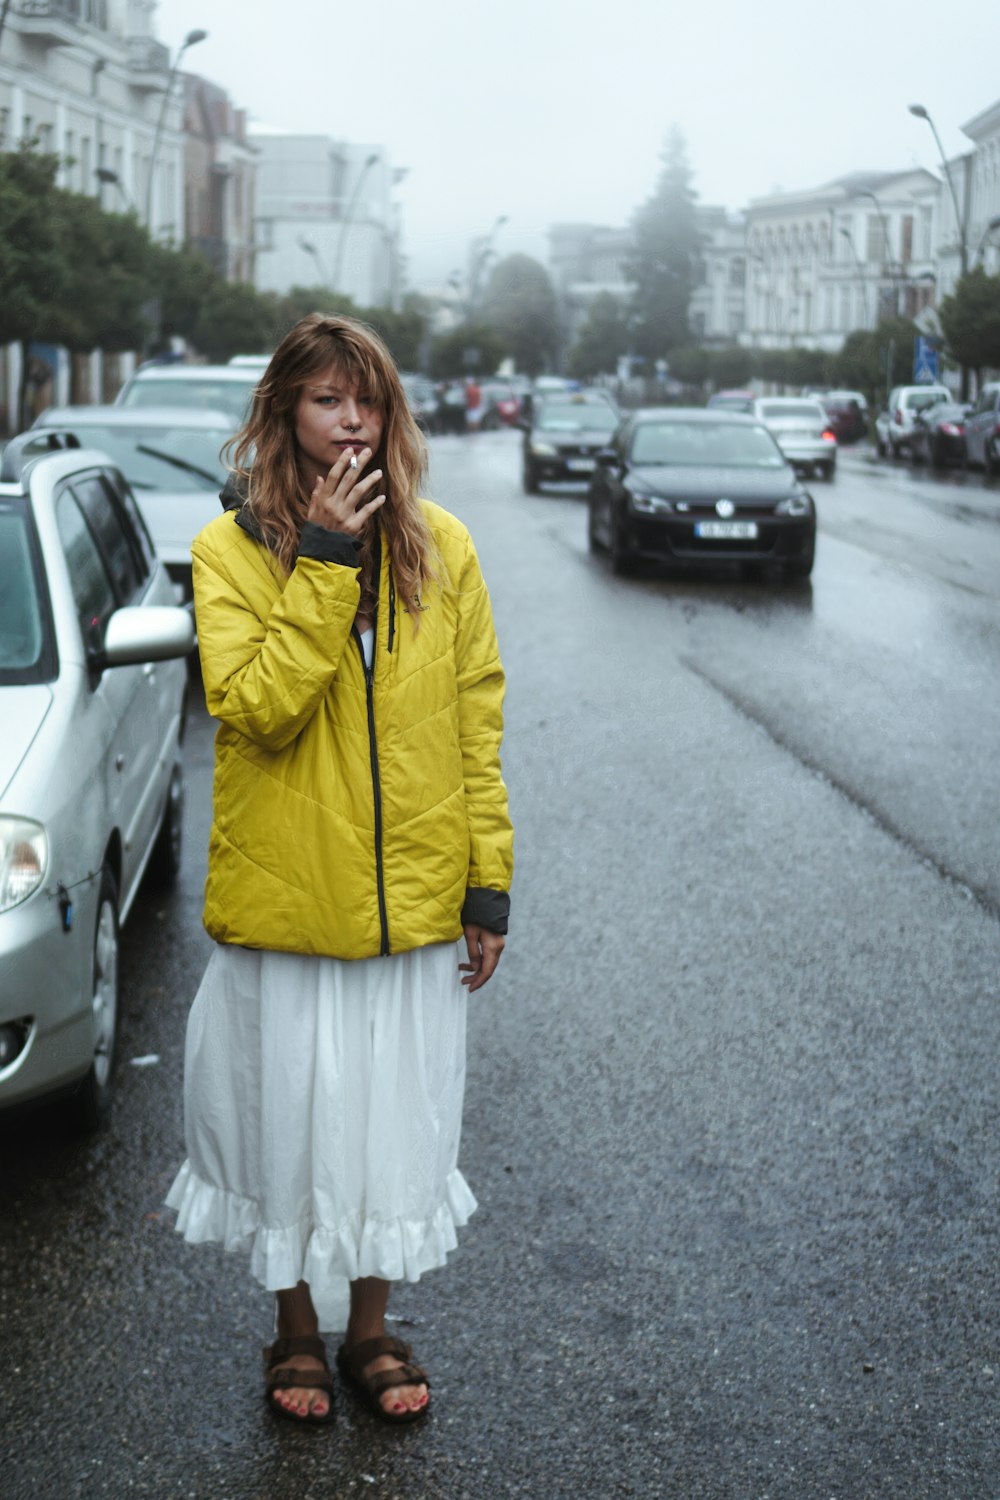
[[326, 217], [983, 178], [835, 258]]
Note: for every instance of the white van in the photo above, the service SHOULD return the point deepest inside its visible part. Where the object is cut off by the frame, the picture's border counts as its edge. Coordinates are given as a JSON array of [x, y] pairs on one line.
[[894, 426]]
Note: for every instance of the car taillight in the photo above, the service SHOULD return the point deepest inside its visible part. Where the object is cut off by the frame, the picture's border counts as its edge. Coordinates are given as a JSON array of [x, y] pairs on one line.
[[952, 429], [898, 419], [829, 436]]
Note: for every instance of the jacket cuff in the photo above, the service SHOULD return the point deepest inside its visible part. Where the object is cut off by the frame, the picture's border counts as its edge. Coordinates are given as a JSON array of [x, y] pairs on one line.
[[486, 908], [329, 546]]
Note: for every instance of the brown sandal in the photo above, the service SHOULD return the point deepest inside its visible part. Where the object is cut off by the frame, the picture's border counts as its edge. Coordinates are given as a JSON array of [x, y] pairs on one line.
[[352, 1362], [281, 1376]]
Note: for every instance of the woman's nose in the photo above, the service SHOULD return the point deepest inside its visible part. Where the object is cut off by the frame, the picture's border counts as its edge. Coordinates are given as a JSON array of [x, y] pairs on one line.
[[350, 413]]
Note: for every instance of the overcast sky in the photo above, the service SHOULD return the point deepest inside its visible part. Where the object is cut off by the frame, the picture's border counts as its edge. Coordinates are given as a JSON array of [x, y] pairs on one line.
[[557, 110]]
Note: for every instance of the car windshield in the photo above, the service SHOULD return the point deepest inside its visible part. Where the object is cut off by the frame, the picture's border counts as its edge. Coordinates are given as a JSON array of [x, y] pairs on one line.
[[594, 417], [706, 444], [919, 401], [731, 403], [22, 613], [162, 458], [772, 410], [230, 396]]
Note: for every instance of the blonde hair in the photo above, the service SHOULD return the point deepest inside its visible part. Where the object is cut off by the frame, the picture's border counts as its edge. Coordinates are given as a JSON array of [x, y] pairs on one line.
[[265, 454]]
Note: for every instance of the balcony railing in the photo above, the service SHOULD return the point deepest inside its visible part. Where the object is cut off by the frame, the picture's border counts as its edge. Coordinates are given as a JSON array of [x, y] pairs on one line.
[[147, 56], [92, 12]]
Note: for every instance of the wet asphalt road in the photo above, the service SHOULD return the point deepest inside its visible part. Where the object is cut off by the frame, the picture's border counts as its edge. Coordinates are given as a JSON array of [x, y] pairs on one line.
[[732, 1101]]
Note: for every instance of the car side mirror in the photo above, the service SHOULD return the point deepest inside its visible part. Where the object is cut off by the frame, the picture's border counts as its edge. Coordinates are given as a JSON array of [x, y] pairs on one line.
[[150, 633]]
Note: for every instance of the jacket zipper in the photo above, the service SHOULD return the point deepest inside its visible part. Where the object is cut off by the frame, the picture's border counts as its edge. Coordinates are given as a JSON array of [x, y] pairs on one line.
[[392, 608], [369, 672]]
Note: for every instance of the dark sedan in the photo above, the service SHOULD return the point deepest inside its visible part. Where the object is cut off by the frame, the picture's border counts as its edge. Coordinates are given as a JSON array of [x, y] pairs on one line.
[[694, 487], [564, 438], [937, 436]]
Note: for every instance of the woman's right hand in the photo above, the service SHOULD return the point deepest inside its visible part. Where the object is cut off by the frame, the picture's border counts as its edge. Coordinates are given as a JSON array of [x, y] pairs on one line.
[[341, 502]]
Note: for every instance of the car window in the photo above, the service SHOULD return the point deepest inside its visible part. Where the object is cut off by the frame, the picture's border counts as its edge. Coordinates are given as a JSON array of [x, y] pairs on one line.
[[592, 418], [713, 444], [126, 499], [919, 400], [119, 549], [771, 410], [89, 579], [25, 634], [230, 396]]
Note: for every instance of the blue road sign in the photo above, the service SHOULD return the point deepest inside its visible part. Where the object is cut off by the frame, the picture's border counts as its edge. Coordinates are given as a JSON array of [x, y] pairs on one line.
[[926, 370]]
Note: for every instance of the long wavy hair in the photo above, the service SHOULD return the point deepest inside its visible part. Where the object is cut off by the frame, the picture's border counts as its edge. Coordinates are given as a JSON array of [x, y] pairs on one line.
[[266, 457]]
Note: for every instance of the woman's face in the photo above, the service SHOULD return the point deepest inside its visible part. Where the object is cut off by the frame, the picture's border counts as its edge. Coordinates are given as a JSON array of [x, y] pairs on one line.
[[332, 416]]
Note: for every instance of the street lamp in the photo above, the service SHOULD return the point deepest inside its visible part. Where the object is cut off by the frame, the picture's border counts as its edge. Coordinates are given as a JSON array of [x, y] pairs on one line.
[[310, 249], [846, 233], [991, 228], [192, 38], [893, 267], [348, 216], [963, 247], [105, 175]]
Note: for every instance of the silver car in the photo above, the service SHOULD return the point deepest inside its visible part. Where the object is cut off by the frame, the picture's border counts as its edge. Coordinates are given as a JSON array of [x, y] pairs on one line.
[[92, 699], [171, 458], [227, 388], [802, 430]]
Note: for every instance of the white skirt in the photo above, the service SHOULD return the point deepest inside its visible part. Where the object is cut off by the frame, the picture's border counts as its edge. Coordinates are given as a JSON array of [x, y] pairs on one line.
[[323, 1110]]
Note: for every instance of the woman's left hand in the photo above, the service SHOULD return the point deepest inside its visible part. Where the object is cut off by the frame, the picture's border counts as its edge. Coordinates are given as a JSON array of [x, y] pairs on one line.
[[485, 948]]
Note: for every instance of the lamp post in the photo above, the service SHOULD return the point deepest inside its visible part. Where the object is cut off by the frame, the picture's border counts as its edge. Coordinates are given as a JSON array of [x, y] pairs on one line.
[[348, 216], [310, 249], [991, 228], [846, 233], [482, 249], [192, 38], [105, 175], [963, 243], [892, 264]]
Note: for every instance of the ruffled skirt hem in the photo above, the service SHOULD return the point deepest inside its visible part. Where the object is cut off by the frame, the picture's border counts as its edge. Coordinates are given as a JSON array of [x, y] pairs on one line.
[[327, 1257]]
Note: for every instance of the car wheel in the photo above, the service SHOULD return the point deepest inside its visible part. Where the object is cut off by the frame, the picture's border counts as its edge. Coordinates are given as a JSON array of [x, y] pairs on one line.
[[893, 449], [800, 568], [165, 861], [89, 1105], [829, 470], [880, 447], [529, 478], [937, 456], [990, 461]]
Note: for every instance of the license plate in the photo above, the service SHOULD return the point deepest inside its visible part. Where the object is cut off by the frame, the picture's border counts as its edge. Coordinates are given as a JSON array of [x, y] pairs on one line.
[[727, 531], [580, 465]]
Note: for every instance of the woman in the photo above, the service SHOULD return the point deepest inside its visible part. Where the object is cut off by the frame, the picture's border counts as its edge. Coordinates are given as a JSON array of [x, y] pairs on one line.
[[360, 829]]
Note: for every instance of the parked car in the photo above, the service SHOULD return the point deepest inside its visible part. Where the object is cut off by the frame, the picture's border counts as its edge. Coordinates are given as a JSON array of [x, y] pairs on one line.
[[227, 388], [741, 401], [803, 432], [501, 405], [92, 700], [171, 457], [256, 362], [564, 437], [937, 436], [691, 486], [423, 400], [892, 428], [845, 415], [982, 429], [452, 407]]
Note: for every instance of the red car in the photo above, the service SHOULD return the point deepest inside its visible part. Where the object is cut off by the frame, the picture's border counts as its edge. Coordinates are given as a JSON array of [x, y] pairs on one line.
[[501, 405]]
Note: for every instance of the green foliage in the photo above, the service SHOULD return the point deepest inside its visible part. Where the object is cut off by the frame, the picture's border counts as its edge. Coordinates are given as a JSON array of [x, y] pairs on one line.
[[34, 270], [970, 319], [873, 361], [109, 261], [452, 353], [602, 339], [404, 332], [180, 282], [664, 265], [234, 317], [690, 364], [519, 302], [731, 368]]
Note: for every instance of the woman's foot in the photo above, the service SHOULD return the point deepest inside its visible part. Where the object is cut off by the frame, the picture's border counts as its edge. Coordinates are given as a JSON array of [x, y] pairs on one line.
[[296, 1320], [382, 1371]]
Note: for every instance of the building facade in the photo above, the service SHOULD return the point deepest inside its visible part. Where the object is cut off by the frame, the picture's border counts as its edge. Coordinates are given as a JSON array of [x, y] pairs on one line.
[[326, 217], [220, 187]]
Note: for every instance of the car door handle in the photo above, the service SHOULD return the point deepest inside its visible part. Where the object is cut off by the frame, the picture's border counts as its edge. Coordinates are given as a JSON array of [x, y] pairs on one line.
[[119, 762], [149, 670]]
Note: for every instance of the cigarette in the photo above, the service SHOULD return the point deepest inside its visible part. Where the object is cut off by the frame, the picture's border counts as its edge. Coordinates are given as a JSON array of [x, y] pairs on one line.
[[354, 460]]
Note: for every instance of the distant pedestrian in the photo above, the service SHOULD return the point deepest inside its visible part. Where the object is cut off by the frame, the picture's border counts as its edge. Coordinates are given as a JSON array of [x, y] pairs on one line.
[[360, 829], [473, 404]]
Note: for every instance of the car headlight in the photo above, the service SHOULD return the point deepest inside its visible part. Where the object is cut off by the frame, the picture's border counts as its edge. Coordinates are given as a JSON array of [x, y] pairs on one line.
[[794, 505], [544, 450], [650, 505], [24, 854]]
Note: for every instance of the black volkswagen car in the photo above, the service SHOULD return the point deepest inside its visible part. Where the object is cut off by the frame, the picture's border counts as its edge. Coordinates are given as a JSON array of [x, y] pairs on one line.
[[564, 436], [694, 486]]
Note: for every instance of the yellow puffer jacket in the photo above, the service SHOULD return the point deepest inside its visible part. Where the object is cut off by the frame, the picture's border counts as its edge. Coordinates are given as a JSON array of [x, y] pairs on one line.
[[355, 813]]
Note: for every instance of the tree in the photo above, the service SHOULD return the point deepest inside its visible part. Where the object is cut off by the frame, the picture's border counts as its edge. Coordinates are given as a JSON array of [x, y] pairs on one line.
[[730, 368], [34, 272], [234, 318], [181, 281], [470, 350], [520, 303], [970, 319], [665, 263], [405, 331], [602, 340], [873, 361]]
